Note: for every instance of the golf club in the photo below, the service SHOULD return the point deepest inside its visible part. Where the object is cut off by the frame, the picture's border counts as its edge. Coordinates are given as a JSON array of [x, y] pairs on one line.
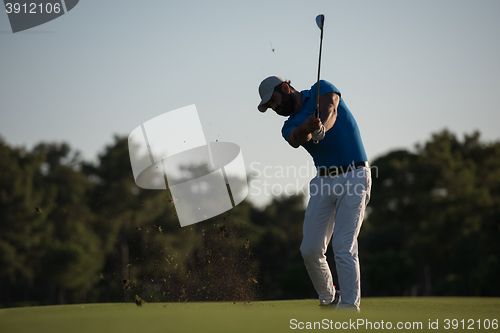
[[320, 21]]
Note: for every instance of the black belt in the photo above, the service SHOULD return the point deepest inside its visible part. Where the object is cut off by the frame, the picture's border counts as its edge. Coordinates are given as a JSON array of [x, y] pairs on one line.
[[332, 172]]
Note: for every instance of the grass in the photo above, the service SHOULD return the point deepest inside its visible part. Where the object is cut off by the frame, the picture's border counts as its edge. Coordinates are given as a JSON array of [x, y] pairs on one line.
[[259, 317]]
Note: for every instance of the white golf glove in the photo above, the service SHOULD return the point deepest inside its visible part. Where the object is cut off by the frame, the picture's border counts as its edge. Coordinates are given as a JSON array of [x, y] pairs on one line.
[[318, 135]]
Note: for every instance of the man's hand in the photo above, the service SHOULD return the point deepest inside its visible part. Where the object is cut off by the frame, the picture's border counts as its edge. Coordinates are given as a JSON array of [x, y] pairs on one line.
[[319, 135], [303, 133], [311, 124], [328, 104]]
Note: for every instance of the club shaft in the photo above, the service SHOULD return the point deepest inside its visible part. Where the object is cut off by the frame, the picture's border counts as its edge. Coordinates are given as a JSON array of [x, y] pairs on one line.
[[316, 111]]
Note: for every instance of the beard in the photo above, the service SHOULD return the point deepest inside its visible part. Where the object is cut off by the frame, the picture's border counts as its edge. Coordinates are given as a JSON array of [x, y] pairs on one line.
[[287, 106]]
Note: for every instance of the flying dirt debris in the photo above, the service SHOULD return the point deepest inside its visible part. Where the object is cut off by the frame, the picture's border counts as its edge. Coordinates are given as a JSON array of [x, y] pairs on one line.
[[138, 300]]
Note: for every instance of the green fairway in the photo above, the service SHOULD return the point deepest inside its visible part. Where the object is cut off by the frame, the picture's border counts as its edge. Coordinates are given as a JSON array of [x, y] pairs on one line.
[[272, 316]]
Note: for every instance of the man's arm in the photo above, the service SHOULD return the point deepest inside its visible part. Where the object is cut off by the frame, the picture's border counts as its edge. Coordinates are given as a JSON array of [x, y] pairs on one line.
[[328, 104]]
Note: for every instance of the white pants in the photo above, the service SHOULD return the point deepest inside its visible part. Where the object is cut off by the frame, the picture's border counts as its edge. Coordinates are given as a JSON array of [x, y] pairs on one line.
[[336, 208]]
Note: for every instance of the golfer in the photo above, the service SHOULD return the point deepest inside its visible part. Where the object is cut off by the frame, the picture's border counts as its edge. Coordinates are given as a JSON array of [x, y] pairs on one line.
[[341, 189]]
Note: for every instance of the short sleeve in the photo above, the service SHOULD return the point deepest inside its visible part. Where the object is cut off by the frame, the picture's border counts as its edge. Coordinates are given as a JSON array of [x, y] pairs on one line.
[[325, 87], [287, 128]]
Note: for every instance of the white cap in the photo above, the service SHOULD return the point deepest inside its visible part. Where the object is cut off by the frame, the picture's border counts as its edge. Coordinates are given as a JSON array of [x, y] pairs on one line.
[[266, 90]]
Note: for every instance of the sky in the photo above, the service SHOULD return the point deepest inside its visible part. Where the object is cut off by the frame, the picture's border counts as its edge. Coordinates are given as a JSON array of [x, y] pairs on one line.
[[406, 69]]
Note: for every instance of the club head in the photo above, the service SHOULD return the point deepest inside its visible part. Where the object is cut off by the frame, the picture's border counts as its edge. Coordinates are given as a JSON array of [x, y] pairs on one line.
[[320, 20]]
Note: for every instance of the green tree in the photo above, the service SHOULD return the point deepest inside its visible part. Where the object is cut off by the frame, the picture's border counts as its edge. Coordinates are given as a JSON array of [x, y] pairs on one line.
[[72, 256], [283, 273], [46, 237], [434, 220], [122, 211], [23, 229]]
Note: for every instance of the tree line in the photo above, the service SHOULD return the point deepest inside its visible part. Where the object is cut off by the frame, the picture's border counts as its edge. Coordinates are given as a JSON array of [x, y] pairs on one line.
[[73, 231]]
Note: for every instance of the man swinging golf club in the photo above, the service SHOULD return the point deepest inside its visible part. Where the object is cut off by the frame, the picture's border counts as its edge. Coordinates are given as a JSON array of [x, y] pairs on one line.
[[341, 189]]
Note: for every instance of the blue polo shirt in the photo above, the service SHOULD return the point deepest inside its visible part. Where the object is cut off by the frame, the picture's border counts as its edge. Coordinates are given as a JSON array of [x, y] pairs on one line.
[[342, 144]]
